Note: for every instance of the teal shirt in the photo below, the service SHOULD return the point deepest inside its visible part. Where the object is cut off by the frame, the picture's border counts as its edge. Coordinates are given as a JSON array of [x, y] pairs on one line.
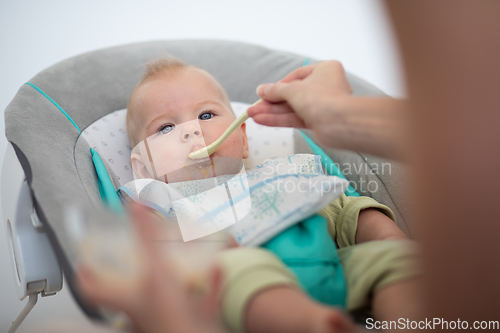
[[309, 251]]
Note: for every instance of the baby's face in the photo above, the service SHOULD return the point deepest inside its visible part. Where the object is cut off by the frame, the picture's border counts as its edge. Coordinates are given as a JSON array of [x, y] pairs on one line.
[[181, 113]]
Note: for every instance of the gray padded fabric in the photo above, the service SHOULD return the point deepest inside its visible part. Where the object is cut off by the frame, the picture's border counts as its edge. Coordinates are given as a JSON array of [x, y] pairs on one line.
[[383, 180], [94, 84]]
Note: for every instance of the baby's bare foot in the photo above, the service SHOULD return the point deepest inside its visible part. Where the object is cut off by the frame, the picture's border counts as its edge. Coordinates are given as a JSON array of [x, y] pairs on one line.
[[330, 320], [289, 310]]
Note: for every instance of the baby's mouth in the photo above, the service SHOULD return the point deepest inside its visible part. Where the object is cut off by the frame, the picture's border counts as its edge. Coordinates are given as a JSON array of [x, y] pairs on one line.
[[198, 147], [204, 166]]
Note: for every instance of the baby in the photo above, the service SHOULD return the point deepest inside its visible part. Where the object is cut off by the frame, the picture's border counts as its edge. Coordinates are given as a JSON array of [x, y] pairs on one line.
[[177, 109]]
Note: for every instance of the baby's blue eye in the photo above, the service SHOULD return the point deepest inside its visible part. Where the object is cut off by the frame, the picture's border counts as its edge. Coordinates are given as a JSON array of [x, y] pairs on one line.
[[206, 115], [166, 129]]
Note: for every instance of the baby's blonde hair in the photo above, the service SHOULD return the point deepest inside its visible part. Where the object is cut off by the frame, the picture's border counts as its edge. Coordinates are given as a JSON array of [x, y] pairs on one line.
[[161, 66]]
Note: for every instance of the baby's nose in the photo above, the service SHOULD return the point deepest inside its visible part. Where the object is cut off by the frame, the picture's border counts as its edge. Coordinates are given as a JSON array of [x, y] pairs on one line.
[[191, 131]]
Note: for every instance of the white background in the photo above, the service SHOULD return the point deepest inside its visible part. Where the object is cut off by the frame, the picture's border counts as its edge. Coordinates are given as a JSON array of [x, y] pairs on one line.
[[37, 34]]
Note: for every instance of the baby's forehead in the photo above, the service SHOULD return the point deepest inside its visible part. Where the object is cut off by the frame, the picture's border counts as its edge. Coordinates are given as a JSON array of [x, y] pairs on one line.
[[186, 79], [205, 78], [146, 95], [183, 77]]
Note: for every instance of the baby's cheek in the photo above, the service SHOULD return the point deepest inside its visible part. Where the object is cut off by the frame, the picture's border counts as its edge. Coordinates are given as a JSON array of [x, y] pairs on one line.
[[170, 159], [235, 145]]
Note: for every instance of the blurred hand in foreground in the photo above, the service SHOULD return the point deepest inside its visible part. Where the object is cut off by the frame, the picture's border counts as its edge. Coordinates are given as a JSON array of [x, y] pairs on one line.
[[155, 300]]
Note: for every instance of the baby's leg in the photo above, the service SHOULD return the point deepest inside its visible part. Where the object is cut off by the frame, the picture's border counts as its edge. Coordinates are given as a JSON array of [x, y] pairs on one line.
[[375, 225], [398, 300], [261, 295], [386, 275], [288, 310]]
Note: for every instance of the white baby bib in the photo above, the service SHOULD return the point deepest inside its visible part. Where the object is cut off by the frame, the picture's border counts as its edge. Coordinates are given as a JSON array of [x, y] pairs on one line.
[[254, 205]]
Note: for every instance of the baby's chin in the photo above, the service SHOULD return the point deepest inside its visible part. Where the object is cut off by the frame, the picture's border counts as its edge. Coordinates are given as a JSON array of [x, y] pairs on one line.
[[209, 168]]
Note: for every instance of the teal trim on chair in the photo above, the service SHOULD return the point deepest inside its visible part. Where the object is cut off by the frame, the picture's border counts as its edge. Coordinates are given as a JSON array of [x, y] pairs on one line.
[[328, 164], [57, 105], [107, 190]]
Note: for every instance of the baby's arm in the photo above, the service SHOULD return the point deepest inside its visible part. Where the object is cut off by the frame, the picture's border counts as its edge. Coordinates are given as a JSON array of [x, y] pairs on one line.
[[375, 225]]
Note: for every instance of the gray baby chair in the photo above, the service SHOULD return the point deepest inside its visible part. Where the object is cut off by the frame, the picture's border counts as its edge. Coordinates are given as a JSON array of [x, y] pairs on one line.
[[50, 126]]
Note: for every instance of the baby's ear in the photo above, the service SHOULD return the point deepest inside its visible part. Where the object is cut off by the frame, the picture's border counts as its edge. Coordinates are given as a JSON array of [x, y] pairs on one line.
[[139, 167], [243, 130]]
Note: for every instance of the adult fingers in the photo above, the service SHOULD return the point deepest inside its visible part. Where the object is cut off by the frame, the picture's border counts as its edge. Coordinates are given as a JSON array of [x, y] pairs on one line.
[[145, 225], [231, 242], [210, 304], [98, 291], [277, 92], [298, 74], [279, 120], [148, 229], [332, 73], [266, 107], [264, 113]]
